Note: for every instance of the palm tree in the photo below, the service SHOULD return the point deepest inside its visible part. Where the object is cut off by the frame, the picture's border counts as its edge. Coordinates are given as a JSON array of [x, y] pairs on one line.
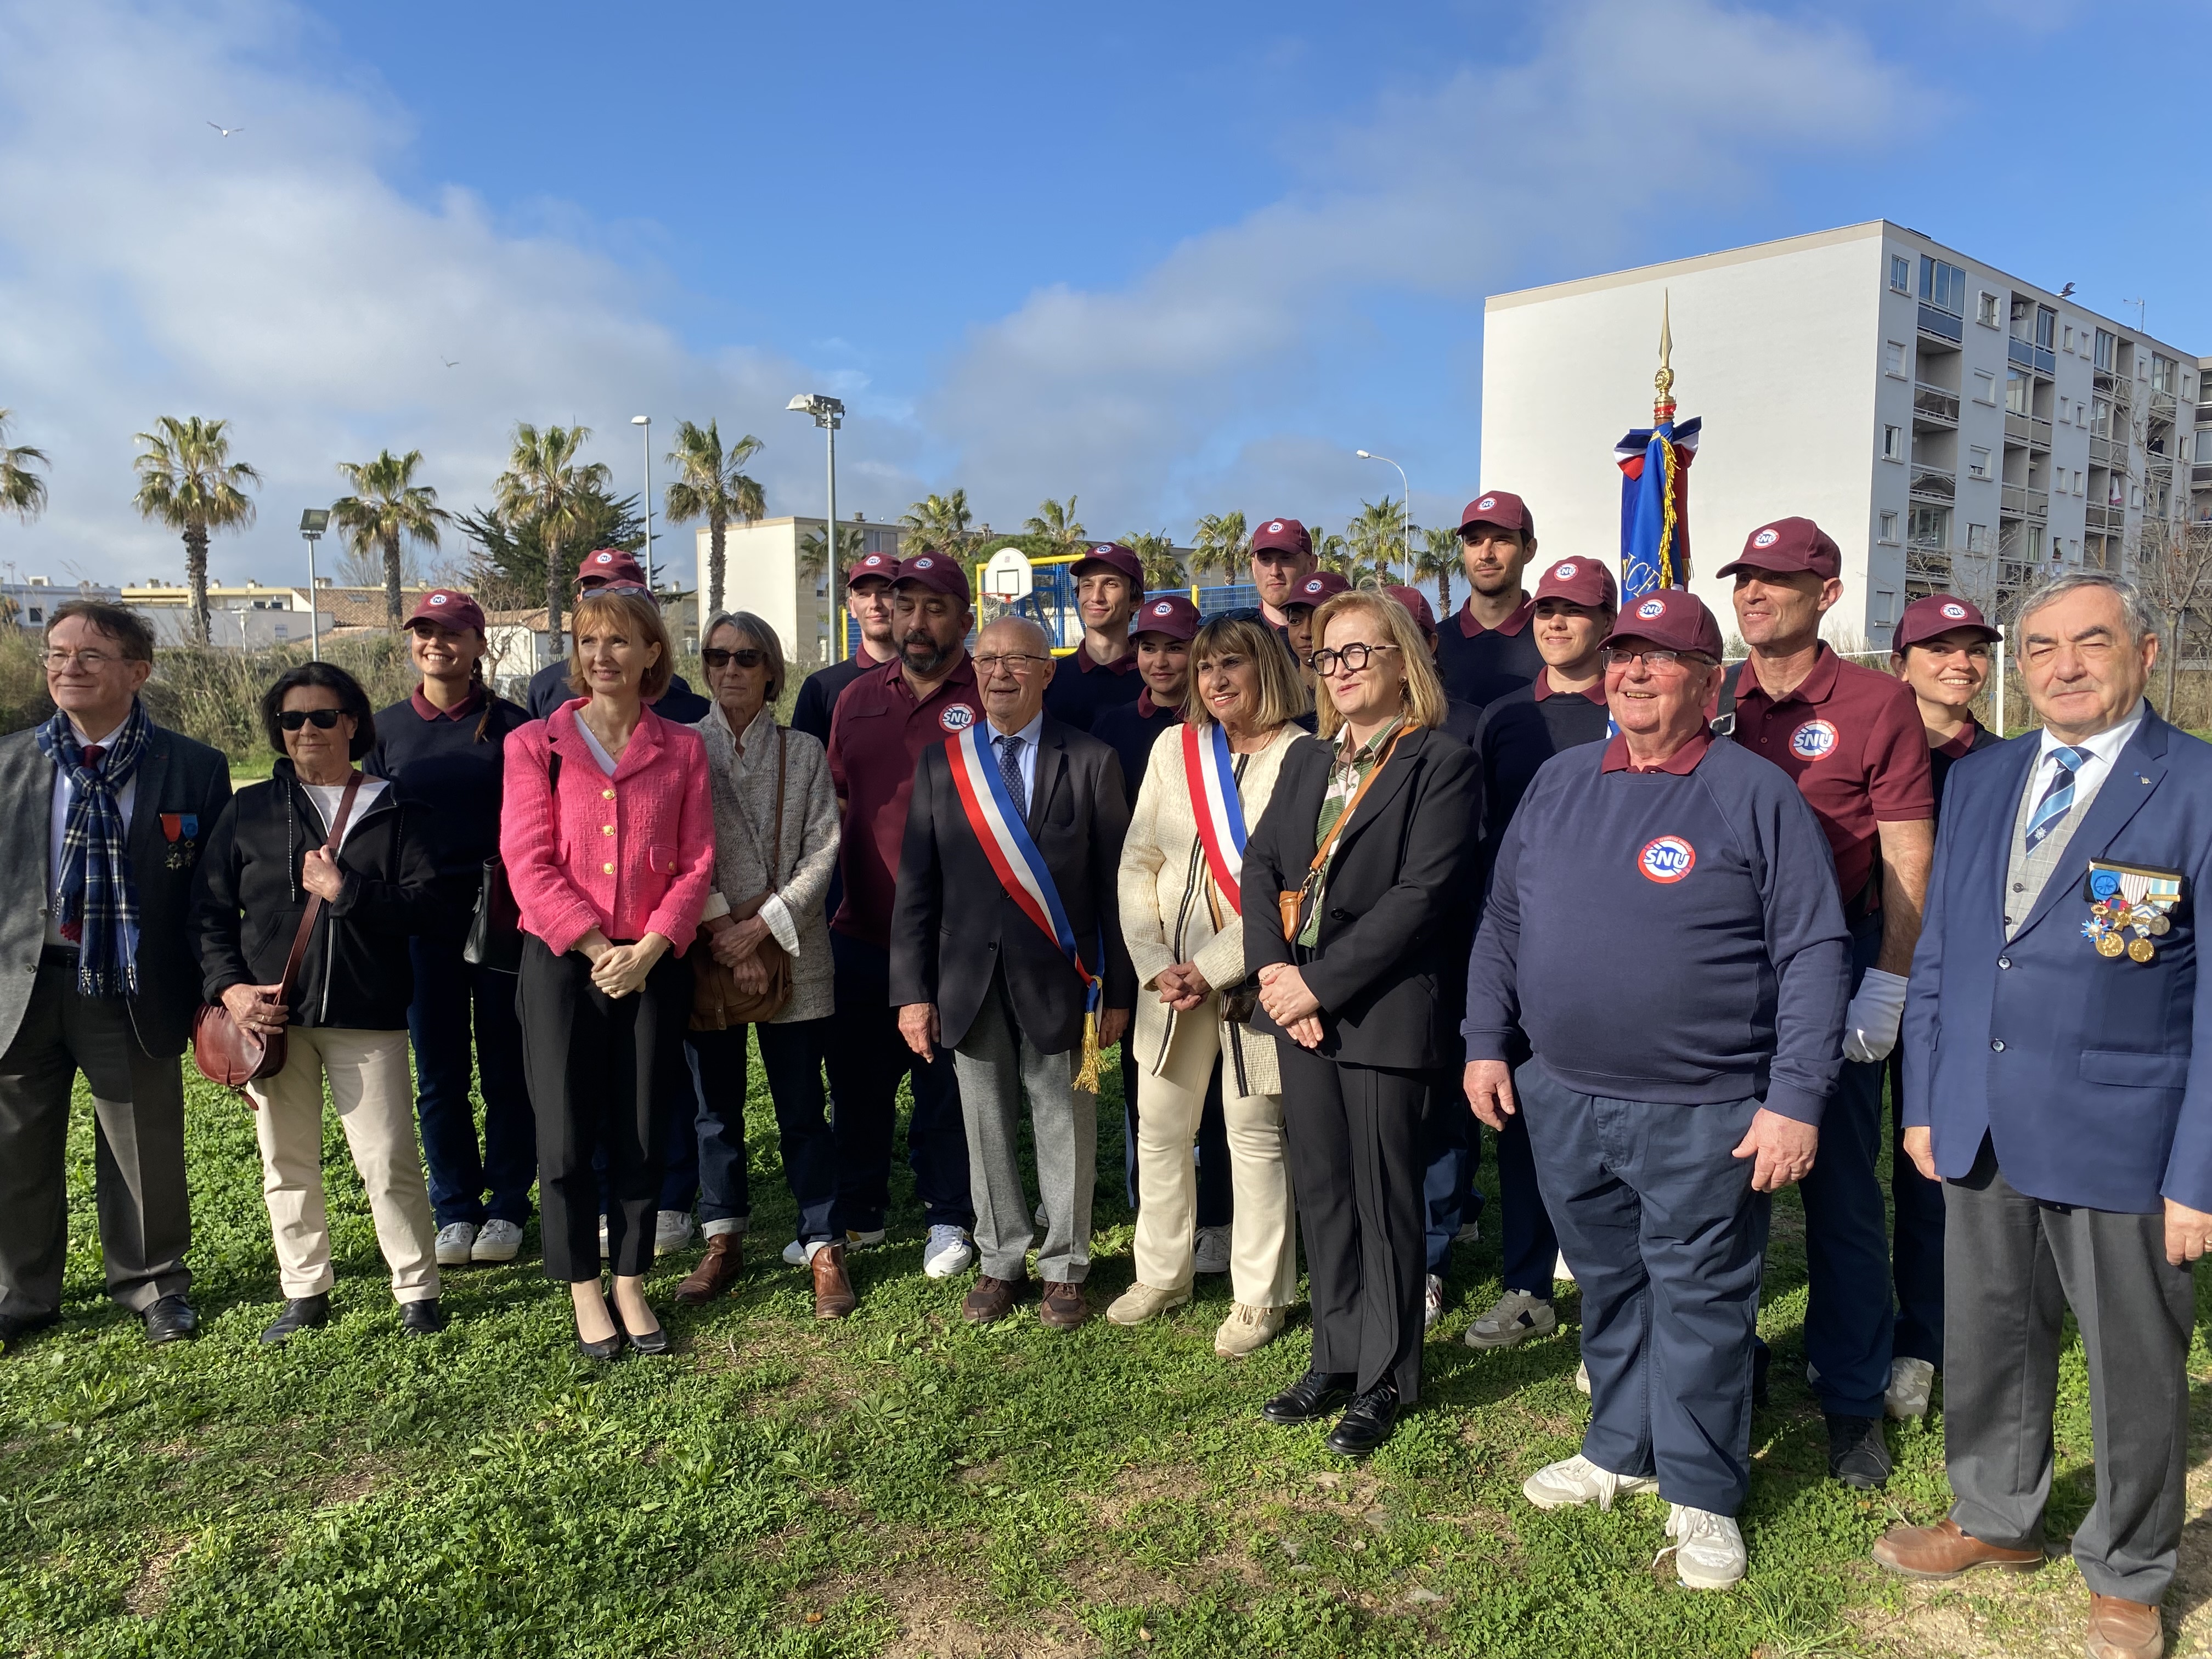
[[22, 492], [187, 481], [387, 507], [1218, 543], [937, 524], [850, 545], [1056, 525], [1378, 537], [544, 485], [1331, 552], [1438, 559], [711, 483], [1163, 566]]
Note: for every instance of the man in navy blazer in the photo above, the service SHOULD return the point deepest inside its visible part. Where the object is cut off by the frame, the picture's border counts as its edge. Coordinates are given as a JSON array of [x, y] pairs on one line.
[[2057, 1087]]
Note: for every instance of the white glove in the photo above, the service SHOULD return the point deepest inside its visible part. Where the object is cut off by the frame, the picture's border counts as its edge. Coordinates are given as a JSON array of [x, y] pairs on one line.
[[1870, 1023]]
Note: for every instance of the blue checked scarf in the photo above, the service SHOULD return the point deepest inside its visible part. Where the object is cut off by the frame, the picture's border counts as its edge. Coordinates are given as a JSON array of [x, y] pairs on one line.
[[94, 890]]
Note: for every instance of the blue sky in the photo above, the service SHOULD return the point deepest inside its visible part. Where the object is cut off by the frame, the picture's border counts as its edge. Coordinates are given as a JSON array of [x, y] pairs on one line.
[[1173, 259]]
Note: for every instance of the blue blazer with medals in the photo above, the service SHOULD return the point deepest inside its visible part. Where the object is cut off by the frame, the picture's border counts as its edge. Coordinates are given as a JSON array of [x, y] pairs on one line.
[[2083, 1069]]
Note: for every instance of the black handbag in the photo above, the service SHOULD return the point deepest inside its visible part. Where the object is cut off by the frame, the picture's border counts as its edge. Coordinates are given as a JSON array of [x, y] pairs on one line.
[[495, 939]]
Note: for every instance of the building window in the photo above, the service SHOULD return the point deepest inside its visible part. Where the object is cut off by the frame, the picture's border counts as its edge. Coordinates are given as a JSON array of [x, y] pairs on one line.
[[2019, 393], [2046, 327], [2134, 496], [1930, 526], [1889, 528], [1892, 443], [1985, 309], [2163, 376], [2035, 541], [1893, 358], [37, 614], [2077, 481], [1978, 463], [2108, 344], [1943, 286], [2101, 418], [2069, 337], [1985, 387], [1978, 538], [1901, 273], [1884, 607]]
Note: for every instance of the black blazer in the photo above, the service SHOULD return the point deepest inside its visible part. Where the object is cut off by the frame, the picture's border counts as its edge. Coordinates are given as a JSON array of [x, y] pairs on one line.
[[952, 925], [181, 787], [1398, 913]]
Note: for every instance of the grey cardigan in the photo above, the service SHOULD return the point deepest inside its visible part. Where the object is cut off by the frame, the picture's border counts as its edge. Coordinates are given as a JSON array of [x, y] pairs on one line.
[[745, 802]]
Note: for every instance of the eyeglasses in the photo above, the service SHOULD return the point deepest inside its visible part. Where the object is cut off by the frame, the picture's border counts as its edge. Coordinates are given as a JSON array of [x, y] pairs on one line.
[[745, 656], [321, 719], [91, 661], [1616, 657], [1017, 662], [1351, 658]]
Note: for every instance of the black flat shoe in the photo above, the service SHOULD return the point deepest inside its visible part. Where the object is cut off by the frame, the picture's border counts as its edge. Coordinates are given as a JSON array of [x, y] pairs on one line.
[[170, 1320], [301, 1313], [654, 1341], [423, 1318], [1366, 1424], [1315, 1394], [610, 1349], [14, 1328], [1857, 1455]]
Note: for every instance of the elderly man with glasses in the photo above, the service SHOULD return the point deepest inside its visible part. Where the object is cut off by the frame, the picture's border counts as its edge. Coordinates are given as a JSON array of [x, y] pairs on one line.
[[1667, 1099], [1006, 946]]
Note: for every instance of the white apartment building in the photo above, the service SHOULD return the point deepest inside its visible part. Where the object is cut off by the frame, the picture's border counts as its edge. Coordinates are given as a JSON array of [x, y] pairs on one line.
[[764, 573], [1951, 426]]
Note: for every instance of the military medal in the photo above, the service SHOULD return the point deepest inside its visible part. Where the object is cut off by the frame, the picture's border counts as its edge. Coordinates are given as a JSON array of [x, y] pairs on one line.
[[2124, 899]]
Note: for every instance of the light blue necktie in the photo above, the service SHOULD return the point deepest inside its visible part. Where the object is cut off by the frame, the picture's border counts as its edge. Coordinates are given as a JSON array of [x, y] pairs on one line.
[[2057, 800], [1010, 769]]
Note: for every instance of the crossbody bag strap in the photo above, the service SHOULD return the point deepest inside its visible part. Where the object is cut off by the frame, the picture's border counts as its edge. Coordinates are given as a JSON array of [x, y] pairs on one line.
[[315, 900], [1329, 841]]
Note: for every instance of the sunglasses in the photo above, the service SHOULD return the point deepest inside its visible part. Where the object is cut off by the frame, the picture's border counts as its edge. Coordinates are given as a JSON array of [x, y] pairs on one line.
[[321, 719], [745, 656]]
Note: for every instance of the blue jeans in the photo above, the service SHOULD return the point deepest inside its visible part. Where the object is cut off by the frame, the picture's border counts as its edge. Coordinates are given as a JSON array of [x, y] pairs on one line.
[[447, 990], [1667, 1238], [791, 1055], [866, 1059], [1452, 1152]]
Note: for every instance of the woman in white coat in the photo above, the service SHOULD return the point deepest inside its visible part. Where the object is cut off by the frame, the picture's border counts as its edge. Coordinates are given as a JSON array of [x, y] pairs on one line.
[[1207, 780]]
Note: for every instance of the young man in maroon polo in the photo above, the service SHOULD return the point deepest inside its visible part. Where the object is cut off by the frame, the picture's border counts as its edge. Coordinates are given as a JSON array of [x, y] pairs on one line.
[[1486, 649], [1282, 557], [883, 722], [1851, 738], [868, 602], [1102, 672], [1308, 596]]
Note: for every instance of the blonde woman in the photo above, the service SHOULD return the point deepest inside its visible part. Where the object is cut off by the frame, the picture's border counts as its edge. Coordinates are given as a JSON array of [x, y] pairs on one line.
[[1180, 895]]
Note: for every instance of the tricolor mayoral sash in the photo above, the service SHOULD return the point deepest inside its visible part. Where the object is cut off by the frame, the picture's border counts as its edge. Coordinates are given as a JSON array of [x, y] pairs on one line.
[[1211, 773], [1004, 839]]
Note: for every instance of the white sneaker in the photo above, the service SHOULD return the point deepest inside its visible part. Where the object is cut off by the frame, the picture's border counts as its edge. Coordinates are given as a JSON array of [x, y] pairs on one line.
[[605, 1250], [496, 1240], [1578, 1480], [1470, 1232], [948, 1252], [1910, 1383], [671, 1231], [794, 1255], [1210, 1254], [867, 1240], [1434, 1303], [1708, 1551], [455, 1240], [1517, 1317], [1582, 1377]]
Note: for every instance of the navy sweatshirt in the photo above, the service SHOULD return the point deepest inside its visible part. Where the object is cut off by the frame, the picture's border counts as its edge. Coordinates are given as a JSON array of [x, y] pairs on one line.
[[1130, 729], [818, 693], [1519, 732], [1708, 899], [1081, 687], [441, 766]]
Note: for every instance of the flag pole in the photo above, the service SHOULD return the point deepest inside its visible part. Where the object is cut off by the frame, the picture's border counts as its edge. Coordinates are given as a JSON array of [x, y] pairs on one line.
[[1663, 406]]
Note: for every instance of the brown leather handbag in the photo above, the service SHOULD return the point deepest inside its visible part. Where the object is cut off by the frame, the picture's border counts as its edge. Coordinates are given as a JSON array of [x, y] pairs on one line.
[[717, 1003], [225, 1051]]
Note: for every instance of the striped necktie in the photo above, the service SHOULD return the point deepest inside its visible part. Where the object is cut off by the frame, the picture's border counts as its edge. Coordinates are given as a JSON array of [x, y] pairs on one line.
[[1010, 769], [2057, 800]]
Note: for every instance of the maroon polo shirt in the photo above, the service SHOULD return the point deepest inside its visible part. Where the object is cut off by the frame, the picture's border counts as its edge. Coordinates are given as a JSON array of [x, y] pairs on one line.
[[466, 710], [1540, 688], [1853, 741], [1683, 762], [876, 738]]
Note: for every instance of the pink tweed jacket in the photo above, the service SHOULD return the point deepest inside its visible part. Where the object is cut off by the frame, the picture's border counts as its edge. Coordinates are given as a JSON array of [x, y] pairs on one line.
[[629, 854]]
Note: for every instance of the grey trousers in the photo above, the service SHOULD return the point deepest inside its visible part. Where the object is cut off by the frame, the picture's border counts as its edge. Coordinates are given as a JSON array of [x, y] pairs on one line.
[[2014, 1265], [995, 1064], [138, 1141]]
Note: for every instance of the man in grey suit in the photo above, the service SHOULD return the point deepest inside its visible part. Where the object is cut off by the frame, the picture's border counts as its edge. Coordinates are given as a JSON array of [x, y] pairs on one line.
[[110, 810], [973, 969]]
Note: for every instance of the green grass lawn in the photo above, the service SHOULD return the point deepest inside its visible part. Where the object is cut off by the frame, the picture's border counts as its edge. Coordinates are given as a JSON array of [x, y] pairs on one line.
[[899, 1484]]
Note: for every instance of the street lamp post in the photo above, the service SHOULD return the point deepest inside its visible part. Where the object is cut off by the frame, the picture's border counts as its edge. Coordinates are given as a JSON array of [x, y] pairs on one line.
[[1408, 542], [828, 414], [644, 423], [313, 523]]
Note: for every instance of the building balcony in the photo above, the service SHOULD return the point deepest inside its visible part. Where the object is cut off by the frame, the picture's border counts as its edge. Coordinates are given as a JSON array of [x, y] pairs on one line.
[[2200, 478], [1934, 408], [1933, 484], [2108, 520], [2018, 502], [2119, 387], [2031, 429], [1941, 324], [2161, 407], [2029, 355]]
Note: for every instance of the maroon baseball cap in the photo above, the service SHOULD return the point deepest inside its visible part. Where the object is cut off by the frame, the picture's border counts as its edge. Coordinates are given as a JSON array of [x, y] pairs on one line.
[[1416, 607], [1938, 614], [881, 566], [1112, 556], [1501, 507], [1322, 585], [457, 610], [1672, 618], [1785, 545], [939, 573], [1283, 535], [1578, 581], [609, 566], [1170, 614]]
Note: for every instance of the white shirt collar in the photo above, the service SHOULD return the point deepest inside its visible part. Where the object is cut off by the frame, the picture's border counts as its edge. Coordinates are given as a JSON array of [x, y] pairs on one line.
[[1029, 734], [2106, 746], [107, 742]]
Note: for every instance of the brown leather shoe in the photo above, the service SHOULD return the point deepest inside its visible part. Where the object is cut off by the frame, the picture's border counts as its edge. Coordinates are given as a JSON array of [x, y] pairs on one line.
[[2120, 1629], [991, 1300], [1063, 1307], [717, 1270], [1942, 1551], [833, 1287]]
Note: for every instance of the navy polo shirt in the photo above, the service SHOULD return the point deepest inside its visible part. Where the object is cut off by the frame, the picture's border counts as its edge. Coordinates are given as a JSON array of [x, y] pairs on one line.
[[1702, 892], [1942, 754], [1130, 729], [1480, 664], [818, 693], [1519, 732], [1082, 686], [444, 764]]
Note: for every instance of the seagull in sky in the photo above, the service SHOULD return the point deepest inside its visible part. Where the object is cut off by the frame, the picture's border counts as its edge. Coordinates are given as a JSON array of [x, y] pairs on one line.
[[448, 361], [224, 130]]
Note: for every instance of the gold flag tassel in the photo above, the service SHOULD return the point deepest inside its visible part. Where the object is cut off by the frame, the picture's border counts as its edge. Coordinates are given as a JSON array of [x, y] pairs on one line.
[[1086, 1074]]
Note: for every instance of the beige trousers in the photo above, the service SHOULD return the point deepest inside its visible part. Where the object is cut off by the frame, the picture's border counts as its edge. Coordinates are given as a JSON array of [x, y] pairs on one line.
[[375, 1098], [1263, 1263]]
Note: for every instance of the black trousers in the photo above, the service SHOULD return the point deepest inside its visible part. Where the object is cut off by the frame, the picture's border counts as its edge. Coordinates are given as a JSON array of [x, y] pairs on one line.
[[595, 1069], [1354, 1137]]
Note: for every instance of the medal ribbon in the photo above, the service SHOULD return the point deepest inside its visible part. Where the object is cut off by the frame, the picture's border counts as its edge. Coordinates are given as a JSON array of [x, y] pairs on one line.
[[1211, 773]]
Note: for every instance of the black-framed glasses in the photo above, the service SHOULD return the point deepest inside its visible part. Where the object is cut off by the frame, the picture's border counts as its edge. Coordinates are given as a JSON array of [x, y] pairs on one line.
[[745, 656], [321, 719], [1352, 658], [1017, 662]]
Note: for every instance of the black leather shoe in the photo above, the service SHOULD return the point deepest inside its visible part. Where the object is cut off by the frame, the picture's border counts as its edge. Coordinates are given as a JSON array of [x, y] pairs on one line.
[[1366, 1424], [1857, 1455], [170, 1320], [14, 1328], [654, 1341], [423, 1318], [610, 1349], [1315, 1394], [301, 1313]]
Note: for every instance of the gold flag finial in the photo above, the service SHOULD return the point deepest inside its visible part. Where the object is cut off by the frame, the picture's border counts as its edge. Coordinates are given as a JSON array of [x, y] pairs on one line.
[[1663, 406]]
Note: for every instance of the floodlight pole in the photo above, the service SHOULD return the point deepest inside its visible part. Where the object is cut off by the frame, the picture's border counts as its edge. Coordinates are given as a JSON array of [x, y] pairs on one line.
[[644, 423], [312, 522], [828, 414], [1407, 542]]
